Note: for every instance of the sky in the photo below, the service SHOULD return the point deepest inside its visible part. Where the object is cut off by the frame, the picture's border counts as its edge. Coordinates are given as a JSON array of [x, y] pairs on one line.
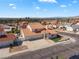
[[39, 8]]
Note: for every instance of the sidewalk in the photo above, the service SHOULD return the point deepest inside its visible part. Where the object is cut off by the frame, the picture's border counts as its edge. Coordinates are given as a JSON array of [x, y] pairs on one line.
[[4, 52]]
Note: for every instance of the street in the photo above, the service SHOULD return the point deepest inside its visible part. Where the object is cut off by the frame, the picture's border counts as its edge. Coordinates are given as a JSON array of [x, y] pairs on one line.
[[66, 50]]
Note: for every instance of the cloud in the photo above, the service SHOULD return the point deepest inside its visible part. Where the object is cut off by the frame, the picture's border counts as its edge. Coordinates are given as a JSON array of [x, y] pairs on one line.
[[69, 4], [45, 10], [65, 10], [63, 6], [37, 7], [49, 1], [74, 1], [13, 6]]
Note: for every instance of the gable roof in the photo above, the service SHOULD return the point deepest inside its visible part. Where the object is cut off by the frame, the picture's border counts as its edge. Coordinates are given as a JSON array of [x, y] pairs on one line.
[[36, 25], [27, 32], [8, 37]]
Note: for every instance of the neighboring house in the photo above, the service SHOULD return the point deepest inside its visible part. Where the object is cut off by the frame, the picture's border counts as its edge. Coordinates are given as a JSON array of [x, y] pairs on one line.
[[54, 26], [23, 25], [6, 39], [7, 28], [60, 26], [35, 27], [49, 26], [75, 27], [71, 27], [66, 27], [77, 24], [2, 32]]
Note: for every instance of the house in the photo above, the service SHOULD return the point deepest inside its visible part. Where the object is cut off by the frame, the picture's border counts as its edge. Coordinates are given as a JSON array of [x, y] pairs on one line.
[[54, 24], [23, 24], [49, 26], [2, 33], [60, 26], [7, 40], [6, 28], [77, 23], [34, 31], [66, 27], [30, 35], [35, 27], [75, 27], [71, 27]]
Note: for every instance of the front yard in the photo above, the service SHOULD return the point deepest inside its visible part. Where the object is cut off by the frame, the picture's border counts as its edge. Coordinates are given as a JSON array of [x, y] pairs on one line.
[[56, 39]]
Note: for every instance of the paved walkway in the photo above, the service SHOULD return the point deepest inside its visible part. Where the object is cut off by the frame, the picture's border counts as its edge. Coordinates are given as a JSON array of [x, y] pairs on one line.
[[4, 52], [37, 44]]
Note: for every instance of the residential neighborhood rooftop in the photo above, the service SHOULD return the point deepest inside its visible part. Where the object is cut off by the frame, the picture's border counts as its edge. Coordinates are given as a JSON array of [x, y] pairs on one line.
[[1, 29], [27, 32], [8, 37], [36, 25]]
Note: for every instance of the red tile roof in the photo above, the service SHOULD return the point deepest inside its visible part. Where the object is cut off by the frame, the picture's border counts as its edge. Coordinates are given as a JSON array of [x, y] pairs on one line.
[[27, 32], [1, 29], [36, 25], [8, 37]]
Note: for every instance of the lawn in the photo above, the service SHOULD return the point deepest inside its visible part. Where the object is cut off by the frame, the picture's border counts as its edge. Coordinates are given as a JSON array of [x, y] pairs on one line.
[[61, 57], [56, 39]]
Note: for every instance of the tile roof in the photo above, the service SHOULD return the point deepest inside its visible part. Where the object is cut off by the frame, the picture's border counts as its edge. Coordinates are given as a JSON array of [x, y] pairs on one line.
[[51, 31], [27, 32], [54, 22], [1, 29], [8, 37], [36, 25]]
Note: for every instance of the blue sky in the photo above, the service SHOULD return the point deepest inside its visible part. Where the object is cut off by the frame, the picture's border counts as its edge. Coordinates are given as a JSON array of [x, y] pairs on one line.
[[39, 8]]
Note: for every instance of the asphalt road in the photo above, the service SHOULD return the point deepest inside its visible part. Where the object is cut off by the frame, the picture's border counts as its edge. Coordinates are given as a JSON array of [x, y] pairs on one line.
[[76, 36], [66, 50]]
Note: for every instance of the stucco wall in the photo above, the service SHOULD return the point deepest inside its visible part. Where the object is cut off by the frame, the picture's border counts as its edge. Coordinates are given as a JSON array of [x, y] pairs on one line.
[[5, 43]]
